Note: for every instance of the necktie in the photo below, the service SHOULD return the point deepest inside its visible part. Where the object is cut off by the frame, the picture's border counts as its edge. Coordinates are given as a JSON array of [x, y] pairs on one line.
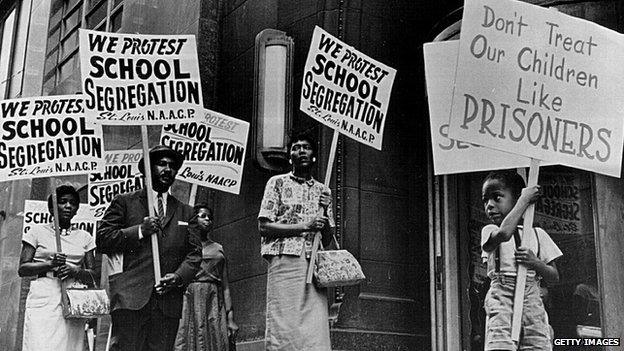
[[161, 209]]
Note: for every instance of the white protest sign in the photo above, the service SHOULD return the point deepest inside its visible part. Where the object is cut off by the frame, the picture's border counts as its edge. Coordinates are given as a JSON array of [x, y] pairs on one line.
[[345, 89], [37, 212], [449, 155], [537, 82], [213, 146], [132, 79], [47, 136], [121, 175]]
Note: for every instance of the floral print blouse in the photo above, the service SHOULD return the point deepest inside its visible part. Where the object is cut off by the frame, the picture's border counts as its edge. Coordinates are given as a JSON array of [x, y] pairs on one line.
[[289, 199]]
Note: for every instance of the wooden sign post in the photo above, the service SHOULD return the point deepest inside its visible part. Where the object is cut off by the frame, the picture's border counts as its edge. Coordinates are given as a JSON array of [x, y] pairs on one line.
[[527, 225], [150, 199], [57, 237], [317, 236]]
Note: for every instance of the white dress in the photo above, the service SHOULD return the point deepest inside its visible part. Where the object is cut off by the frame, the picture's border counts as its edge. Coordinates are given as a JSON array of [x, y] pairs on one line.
[[45, 328]]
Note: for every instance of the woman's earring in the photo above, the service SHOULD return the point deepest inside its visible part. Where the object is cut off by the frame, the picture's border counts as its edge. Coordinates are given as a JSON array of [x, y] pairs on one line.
[[313, 159], [290, 161]]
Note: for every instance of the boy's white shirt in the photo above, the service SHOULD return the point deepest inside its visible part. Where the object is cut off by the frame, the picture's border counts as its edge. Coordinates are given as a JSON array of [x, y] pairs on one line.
[[548, 250]]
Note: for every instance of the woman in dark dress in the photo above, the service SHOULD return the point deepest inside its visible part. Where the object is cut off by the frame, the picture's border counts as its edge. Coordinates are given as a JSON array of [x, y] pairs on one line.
[[207, 318]]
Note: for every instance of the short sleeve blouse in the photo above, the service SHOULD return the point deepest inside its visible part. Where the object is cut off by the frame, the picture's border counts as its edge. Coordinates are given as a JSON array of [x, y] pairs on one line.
[[74, 243], [291, 200]]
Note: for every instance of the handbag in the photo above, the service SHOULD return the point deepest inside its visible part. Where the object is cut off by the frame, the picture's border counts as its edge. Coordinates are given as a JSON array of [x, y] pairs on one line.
[[87, 302], [336, 268]]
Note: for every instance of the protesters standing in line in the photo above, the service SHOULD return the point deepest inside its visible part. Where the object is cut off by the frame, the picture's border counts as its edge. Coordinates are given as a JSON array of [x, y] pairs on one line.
[[292, 211], [145, 312]]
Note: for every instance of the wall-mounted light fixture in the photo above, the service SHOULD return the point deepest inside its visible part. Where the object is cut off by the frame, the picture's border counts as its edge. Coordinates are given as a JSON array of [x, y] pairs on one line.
[[272, 99]]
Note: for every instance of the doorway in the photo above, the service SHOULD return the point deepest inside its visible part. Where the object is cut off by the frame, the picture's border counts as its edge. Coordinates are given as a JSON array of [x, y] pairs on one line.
[[565, 212]]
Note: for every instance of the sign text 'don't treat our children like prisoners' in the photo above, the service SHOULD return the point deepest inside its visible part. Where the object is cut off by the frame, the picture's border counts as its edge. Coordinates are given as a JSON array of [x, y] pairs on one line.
[[449, 155], [540, 83]]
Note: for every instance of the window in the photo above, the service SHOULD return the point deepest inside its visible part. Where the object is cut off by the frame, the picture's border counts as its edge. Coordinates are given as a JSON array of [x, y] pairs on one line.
[[104, 15], [7, 32], [66, 17], [97, 15]]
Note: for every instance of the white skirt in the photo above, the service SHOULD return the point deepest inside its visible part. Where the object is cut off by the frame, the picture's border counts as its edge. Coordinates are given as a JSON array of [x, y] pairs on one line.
[[296, 317], [45, 328]]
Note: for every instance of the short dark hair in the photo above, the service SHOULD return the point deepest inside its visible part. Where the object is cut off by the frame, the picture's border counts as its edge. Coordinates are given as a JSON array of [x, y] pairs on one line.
[[201, 205], [302, 137], [510, 179], [63, 190]]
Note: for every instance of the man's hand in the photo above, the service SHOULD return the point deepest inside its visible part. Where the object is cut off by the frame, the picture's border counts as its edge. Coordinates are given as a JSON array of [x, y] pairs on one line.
[[170, 280], [150, 225]]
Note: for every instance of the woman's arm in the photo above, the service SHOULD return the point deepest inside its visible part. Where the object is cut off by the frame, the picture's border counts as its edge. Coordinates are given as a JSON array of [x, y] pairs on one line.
[[273, 230], [85, 275], [27, 267], [328, 236], [232, 327]]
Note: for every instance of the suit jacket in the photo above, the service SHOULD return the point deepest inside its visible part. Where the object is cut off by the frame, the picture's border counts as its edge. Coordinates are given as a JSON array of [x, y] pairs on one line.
[[180, 252]]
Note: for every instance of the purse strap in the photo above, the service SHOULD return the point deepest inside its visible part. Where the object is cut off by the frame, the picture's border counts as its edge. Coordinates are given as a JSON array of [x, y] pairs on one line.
[[316, 244], [92, 278], [335, 240], [333, 235]]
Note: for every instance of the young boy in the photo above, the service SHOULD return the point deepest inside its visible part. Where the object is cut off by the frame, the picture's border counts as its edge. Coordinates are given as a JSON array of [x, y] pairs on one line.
[[505, 199]]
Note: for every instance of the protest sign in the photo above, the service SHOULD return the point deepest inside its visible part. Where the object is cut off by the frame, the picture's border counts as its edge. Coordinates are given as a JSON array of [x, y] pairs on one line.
[[537, 82], [121, 175], [345, 89], [213, 146], [37, 212], [449, 155], [563, 205], [47, 136], [132, 79]]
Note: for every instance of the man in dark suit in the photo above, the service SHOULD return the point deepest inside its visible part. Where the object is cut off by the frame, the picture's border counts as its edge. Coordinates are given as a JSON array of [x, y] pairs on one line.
[[145, 313]]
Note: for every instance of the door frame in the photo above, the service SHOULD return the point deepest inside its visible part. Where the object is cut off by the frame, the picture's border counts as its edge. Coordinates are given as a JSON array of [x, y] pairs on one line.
[[446, 321]]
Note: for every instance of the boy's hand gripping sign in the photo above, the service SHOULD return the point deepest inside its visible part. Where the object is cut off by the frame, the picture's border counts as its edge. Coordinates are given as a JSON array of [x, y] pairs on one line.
[[537, 82]]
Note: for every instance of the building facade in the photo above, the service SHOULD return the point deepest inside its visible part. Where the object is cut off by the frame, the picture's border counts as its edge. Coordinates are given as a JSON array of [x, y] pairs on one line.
[[412, 232]]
